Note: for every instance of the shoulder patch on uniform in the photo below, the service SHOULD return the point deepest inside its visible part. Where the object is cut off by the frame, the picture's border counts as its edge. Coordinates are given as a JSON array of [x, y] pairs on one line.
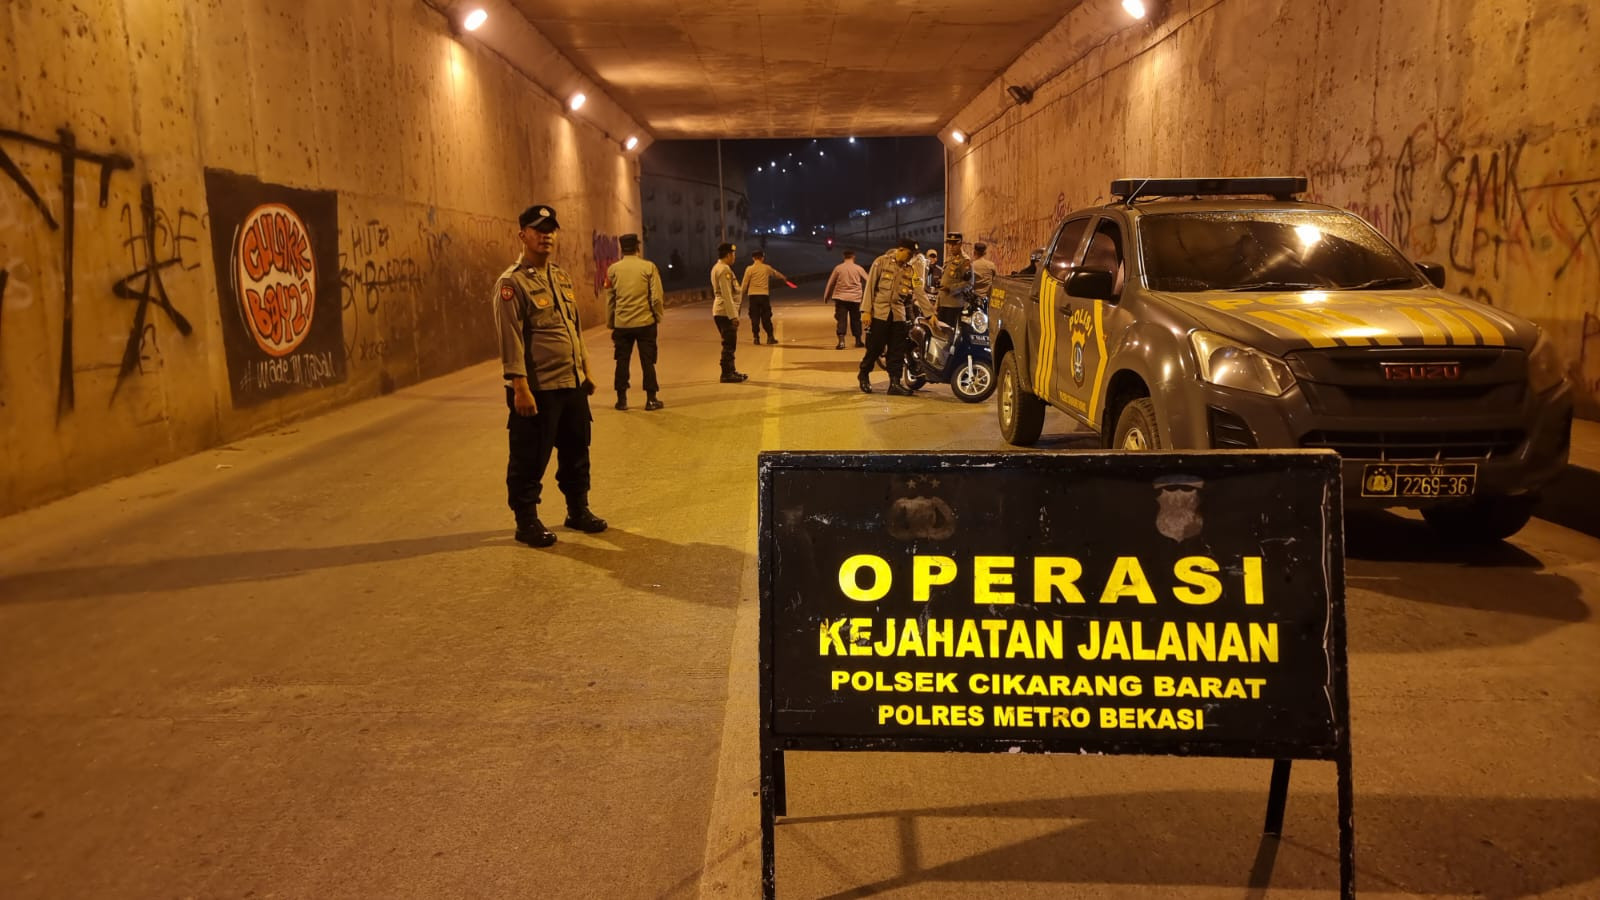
[[507, 292]]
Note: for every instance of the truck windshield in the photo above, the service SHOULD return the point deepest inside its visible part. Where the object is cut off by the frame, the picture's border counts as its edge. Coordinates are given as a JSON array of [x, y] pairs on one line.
[[1268, 250]]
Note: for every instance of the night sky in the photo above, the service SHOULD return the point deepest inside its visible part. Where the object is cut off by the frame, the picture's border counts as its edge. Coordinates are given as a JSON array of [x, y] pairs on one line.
[[818, 180]]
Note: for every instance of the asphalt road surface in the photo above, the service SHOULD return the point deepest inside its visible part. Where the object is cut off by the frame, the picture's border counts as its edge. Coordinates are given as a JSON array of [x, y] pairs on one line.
[[314, 664]]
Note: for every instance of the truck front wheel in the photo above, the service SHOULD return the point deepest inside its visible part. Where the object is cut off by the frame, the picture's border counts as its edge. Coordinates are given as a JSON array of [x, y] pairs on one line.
[[1021, 412], [1136, 427]]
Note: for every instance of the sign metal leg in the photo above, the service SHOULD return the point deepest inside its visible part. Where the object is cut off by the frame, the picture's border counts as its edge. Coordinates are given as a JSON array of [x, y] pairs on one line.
[[1277, 797]]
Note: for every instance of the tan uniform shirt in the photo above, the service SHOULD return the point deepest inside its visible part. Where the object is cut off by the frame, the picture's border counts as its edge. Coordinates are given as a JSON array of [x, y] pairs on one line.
[[758, 279], [983, 272], [957, 275], [726, 299], [540, 336], [633, 293], [889, 285]]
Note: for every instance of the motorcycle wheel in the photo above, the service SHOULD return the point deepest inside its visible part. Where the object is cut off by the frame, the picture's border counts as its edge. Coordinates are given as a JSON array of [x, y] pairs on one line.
[[974, 383]]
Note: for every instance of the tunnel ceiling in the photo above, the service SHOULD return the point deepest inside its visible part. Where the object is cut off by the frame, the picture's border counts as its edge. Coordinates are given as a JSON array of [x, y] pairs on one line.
[[792, 68]]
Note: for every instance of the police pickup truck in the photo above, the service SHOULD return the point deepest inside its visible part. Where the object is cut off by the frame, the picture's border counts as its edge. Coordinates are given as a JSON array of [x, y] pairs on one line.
[[1187, 315]]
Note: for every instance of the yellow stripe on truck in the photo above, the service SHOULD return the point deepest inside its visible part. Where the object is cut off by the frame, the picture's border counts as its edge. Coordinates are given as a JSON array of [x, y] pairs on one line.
[[1096, 402], [1312, 336], [1432, 334], [1047, 338], [1459, 332], [1491, 334]]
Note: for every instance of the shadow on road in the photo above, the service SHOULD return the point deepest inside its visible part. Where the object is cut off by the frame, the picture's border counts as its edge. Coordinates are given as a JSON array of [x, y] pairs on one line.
[[1486, 846], [1573, 501], [180, 573], [694, 573]]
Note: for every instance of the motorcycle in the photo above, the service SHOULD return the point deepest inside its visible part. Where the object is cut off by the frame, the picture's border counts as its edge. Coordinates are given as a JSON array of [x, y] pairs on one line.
[[959, 357]]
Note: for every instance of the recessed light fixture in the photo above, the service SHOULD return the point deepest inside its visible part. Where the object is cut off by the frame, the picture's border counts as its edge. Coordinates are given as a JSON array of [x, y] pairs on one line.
[[630, 143], [958, 137], [1134, 8], [475, 20], [577, 101]]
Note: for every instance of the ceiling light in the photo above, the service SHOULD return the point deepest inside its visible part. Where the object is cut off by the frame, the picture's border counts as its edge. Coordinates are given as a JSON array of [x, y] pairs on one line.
[[1134, 8], [852, 140], [958, 137], [577, 101], [630, 143], [474, 20]]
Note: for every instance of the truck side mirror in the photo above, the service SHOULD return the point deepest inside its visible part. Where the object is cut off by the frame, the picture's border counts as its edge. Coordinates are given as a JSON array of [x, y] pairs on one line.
[[1432, 271], [1091, 284]]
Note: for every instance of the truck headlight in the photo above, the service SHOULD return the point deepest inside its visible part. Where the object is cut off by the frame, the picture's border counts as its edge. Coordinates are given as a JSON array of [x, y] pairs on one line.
[[1544, 365], [1230, 364]]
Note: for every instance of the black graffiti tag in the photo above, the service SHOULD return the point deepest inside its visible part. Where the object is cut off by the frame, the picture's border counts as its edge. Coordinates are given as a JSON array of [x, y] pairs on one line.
[[67, 152], [149, 291]]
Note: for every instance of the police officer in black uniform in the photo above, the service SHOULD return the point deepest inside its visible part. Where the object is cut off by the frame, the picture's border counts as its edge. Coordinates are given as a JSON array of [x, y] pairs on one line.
[[547, 382]]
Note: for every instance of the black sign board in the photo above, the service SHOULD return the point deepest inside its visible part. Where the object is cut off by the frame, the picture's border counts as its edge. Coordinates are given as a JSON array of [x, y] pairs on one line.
[[276, 251], [1187, 604]]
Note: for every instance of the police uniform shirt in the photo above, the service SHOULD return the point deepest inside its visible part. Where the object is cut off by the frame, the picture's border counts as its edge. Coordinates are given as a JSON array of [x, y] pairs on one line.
[[540, 336], [633, 293], [727, 300], [757, 279], [983, 272], [889, 282], [957, 275]]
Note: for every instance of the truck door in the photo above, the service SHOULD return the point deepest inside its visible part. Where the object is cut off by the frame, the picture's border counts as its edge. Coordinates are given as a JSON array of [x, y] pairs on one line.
[[1047, 298], [1081, 353]]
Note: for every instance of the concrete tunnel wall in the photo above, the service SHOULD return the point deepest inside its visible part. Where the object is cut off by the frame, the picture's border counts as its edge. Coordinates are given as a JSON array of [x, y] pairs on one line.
[[135, 136], [1465, 130]]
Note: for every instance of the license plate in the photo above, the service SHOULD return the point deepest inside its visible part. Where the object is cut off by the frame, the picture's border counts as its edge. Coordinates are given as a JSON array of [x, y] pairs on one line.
[[1419, 480]]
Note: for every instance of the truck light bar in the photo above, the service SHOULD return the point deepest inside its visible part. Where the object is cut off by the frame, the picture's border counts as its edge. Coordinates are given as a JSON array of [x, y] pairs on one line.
[[1129, 189]]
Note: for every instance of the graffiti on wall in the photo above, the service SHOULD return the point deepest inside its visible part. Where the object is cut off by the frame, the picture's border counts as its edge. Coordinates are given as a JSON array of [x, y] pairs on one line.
[[68, 155], [607, 250], [373, 269], [143, 285], [276, 252]]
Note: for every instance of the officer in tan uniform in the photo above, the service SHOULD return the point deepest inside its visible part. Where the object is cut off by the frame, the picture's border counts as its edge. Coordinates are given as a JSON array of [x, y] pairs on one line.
[[547, 382], [955, 282], [888, 296], [634, 306]]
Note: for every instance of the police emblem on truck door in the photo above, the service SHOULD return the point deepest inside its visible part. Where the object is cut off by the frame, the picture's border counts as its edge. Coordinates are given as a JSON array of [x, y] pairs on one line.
[[1079, 328]]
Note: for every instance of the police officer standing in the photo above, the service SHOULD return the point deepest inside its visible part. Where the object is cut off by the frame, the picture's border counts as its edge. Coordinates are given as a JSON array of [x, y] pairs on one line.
[[725, 310], [884, 304], [634, 306], [955, 280], [983, 270], [547, 382]]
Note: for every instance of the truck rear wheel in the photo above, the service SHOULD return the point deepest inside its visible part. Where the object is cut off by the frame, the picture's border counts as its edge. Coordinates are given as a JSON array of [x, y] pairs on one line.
[[1481, 521], [1136, 427], [1021, 412]]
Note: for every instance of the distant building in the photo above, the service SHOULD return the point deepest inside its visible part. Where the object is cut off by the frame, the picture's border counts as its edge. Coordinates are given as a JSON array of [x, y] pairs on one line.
[[876, 230], [684, 216]]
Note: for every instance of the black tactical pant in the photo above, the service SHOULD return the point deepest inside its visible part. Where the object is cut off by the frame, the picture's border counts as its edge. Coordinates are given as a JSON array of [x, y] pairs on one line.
[[890, 335], [624, 339], [950, 315], [846, 312], [730, 337], [761, 315], [562, 424]]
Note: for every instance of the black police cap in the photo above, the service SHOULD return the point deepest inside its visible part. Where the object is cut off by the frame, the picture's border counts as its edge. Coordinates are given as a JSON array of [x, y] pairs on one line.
[[539, 217]]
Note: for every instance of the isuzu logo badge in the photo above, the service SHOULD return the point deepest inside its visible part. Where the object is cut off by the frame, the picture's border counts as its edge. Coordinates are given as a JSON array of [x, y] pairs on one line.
[[1448, 371]]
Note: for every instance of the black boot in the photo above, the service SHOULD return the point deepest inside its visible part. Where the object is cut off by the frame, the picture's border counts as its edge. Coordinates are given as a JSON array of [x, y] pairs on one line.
[[650, 402], [532, 532], [622, 399], [581, 519]]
